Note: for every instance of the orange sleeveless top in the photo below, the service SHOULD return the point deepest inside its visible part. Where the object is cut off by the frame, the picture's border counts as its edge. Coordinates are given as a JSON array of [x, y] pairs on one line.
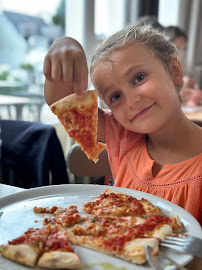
[[131, 166]]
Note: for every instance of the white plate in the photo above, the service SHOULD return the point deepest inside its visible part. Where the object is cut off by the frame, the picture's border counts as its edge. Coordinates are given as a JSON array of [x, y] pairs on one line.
[[16, 216]]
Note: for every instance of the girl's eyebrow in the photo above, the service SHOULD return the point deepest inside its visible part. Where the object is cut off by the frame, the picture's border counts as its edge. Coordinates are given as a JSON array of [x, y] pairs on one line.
[[105, 92], [126, 73], [131, 69]]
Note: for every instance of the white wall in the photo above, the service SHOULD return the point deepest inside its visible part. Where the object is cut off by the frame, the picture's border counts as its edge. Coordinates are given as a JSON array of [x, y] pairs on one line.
[[168, 12], [109, 16]]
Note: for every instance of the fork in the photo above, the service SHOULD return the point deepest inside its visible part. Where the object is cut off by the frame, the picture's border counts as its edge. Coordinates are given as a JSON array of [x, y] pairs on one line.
[[187, 244], [155, 261]]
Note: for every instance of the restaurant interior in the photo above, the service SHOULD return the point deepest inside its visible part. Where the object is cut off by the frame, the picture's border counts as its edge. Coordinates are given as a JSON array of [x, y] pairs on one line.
[[35, 149]]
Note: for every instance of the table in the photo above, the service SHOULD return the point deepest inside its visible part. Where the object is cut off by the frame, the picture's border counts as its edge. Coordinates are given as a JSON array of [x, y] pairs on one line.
[[19, 102], [194, 114], [7, 190]]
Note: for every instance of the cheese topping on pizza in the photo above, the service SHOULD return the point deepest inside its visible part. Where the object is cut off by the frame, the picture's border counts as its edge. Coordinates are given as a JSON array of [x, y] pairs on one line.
[[119, 204], [116, 224], [79, 116], [64, 216]]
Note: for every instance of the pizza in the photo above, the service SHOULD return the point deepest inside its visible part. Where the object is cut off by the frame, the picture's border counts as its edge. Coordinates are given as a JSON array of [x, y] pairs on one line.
[[64, 216], [116, 203], [124, 247], [26, 248], [123, 237], [114, 223], [140, 226], [48, 247], [58, 252], [79, 116]]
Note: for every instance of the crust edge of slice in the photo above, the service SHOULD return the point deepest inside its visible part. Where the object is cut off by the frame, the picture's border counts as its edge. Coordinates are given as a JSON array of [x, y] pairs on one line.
[[59, 260], [72, 101], [25, 254]]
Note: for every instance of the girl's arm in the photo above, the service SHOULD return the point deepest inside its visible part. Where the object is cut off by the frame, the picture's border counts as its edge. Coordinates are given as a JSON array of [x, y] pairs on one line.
[[66, 72]]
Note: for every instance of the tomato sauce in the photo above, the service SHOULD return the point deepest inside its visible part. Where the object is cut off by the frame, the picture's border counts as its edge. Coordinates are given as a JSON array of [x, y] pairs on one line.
[[117, 243], [57, 242]]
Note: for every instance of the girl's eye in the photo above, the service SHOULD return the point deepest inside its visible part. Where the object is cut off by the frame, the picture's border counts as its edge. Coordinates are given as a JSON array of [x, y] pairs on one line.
[[139, 78], [114, 97]]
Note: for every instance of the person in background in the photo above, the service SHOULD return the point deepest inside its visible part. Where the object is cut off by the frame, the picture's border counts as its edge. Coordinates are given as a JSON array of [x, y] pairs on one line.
[[177, 36], [151, 21], [191, 95], [152, 146]]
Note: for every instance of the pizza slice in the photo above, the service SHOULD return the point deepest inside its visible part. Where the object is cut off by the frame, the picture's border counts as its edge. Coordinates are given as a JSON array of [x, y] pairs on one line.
[[27, 248], [58, 252], [63, 216], [116, 203], [140, 226], [79, 116], [47, 247], [123, 237], [131, 250]]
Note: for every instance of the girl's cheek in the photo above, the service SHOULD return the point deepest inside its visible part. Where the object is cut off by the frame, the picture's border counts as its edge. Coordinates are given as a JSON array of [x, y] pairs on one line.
[[118, 114]]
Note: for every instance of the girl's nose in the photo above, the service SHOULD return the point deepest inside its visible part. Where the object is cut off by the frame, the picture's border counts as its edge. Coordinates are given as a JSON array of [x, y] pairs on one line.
[[132, 101]]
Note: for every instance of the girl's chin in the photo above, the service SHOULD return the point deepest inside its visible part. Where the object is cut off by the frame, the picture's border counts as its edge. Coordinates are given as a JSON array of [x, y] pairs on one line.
[[143, 130]]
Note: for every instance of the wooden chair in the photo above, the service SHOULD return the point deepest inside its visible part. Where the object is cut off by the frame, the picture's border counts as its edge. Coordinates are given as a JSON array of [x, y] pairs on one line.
[[85, 170], [198, 122]]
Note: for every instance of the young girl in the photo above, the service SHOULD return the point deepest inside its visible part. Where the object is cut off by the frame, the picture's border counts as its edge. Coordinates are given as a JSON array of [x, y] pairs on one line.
[[152, 146]]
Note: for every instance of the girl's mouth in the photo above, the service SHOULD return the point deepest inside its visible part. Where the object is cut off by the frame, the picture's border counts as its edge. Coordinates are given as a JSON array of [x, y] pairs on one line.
[[142, 113]]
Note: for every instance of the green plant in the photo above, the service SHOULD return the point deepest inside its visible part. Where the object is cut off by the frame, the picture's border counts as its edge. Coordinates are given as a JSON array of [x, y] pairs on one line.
[[28, 67], [59, 17], [4, 75]]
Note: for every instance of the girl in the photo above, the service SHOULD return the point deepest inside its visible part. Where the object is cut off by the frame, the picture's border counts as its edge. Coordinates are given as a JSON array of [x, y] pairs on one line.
[[152, 146]]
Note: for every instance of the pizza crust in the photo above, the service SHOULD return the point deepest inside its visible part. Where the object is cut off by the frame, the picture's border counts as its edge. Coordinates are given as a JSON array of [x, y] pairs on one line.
[[161, 231], [59, 260], [72, 101], [134, 250], [21, 253]]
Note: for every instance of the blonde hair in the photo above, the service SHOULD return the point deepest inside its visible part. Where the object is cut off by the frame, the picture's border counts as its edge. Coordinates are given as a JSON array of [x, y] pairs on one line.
[[159, 46]]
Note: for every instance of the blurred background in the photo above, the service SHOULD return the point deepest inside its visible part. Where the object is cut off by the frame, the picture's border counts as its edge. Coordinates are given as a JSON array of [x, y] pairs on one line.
[[29, 27]]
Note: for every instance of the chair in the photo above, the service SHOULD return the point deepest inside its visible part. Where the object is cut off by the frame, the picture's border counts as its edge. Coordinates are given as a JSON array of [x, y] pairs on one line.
[[198, 122], [31, 155], [83, 168]]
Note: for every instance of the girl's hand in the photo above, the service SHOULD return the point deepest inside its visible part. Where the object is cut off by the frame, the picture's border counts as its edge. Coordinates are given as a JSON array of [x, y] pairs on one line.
[[65, 64]]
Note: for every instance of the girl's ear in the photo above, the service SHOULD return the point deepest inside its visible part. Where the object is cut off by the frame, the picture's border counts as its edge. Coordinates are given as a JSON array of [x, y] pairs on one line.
[[176, 71]]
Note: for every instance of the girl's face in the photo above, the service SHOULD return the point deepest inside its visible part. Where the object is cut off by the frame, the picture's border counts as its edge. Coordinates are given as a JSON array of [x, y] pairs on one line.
[[137, 89]]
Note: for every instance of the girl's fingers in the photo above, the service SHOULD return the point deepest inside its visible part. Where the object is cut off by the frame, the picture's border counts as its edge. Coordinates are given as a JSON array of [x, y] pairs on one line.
[[80, 75], [47, 69], [67, 70], [56, 71]]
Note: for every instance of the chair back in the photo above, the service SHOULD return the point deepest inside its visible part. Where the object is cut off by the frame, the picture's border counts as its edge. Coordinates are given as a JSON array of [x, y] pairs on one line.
[[198, 122], [31, 155], [79, 165]]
